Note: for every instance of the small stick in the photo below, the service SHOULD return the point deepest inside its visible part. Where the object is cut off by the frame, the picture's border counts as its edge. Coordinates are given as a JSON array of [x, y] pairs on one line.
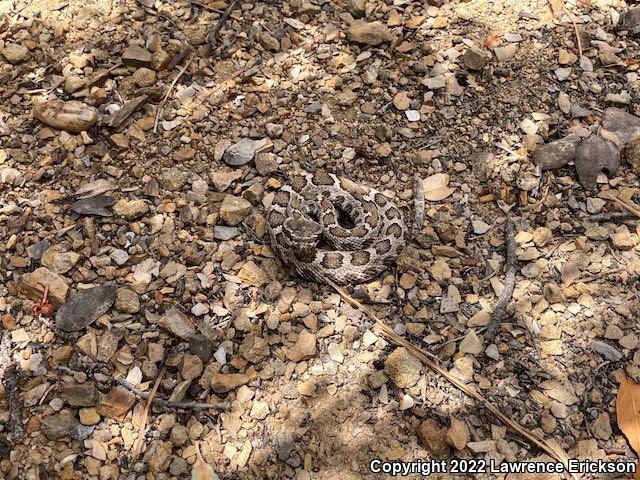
[[500, 308], [597, 276], [211, 37], [166, 403], [575, 28], [627, 206], [173, 84], [206, 7], [137, 446], [612, 216]]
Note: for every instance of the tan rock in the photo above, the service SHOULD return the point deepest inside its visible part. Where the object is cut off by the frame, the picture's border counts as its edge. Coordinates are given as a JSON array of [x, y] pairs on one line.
[[191, 367], [130, 209], [403, 368], [178, 324], [304, 347], [89, 416], [32, 285], [224, 382], [72, 116], [433, 437], [457, 434], [369, 33], [234, 210], [59, 261]]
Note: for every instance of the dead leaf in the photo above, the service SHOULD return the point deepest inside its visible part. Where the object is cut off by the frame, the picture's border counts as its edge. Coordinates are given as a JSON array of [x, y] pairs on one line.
[[438, 194], [436, 187], [457, 434], [435, 181], [492, 40], [628, 412], [202, 470]]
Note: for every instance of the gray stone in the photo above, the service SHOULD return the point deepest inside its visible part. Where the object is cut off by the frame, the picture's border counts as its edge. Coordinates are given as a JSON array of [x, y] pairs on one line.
[[36, 250], [119, 256], [313, 107], [630, 21], [94, 206], [474, 59], [623, 124], [80, 395], [562, 73], [357, 8], [221, 232], [506, 53], [201, 346], [240, 153], [434, 83], [59, 425]]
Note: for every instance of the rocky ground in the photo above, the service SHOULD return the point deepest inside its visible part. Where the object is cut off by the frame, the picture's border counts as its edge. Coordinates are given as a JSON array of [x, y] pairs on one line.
[[146, 221]]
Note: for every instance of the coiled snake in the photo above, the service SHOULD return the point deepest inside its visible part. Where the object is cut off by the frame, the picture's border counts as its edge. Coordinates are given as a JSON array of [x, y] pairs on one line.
[[306, 227]]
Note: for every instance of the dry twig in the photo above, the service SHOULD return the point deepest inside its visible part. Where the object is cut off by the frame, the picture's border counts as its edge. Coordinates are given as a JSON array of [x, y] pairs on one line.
[[173, 84], [166, 403], [627, 206], [598, 276], [137, 446], [575, 29], [211, 37], [206, 7]]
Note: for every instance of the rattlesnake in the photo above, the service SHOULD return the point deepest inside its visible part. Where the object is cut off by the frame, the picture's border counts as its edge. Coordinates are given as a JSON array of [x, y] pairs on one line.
[[305, 228]]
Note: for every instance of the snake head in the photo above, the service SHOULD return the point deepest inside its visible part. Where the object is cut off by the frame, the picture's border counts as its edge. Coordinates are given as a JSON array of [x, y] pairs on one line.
[[303, 235]]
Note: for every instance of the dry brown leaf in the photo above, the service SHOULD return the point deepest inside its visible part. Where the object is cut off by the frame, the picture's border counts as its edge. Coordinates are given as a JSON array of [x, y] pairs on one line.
[[435, 181], [457, 434], [491, 41], [438, 194], [628, 412], [201, 469], [436, 187]]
